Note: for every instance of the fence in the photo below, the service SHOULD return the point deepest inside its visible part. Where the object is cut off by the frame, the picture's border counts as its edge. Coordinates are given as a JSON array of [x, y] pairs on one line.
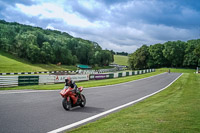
[[96, 71], [68, 72], [46, 79], [118, 74], [50, 72], [9, 81]]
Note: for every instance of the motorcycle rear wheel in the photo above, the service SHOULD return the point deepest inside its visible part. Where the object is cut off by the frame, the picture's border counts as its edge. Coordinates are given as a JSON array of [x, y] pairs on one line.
[[66, 104], [83, 102]]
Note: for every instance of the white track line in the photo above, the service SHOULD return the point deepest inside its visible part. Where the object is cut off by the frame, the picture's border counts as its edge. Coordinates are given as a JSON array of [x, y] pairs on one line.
[[107, 112], [35, 91]]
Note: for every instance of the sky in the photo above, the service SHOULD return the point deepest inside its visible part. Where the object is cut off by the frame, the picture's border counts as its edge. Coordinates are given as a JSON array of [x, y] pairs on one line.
[[119, 25]]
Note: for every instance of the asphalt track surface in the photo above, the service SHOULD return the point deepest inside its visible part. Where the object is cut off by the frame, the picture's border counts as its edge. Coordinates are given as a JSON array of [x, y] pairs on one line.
[[42, 111]]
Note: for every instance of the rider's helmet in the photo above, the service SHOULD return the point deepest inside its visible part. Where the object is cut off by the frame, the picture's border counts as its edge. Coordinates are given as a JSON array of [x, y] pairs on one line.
[[67, 79]]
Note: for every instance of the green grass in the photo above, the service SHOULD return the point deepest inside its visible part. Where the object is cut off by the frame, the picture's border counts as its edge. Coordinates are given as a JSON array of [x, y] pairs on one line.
[[85, 84], [174, 110], [53, 67], [10, 63], [177, 70], [121, 60]]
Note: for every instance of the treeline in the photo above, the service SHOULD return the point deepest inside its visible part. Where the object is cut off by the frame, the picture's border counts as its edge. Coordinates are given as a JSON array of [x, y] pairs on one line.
[[122, 53], [170, 54], [50, 46]]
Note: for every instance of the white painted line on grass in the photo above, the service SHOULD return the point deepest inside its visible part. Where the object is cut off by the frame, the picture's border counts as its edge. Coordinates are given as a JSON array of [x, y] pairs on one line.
[[35, 91], [107, 112]]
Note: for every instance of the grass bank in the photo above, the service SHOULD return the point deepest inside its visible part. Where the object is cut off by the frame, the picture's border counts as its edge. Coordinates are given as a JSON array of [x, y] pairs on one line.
[[11, 64], [85, 84], [176, 109], [121, 60]]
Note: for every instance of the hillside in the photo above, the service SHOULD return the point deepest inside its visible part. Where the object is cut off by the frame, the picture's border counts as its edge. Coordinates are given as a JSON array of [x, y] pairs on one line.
[[121, 60], [10, 63], [45, 46]]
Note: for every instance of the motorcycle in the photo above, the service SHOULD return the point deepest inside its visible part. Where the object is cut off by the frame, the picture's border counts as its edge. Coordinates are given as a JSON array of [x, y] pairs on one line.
[[72, 99]]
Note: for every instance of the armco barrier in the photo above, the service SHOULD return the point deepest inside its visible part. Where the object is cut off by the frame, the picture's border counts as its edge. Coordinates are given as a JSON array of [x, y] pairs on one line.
[[47, 79], [111, 75], [61, 78], [91, 77], [130, 73], [50, 72], [133, 73], [117, 74], [28, 80], [100, 76], [123, 74], [8, 81]]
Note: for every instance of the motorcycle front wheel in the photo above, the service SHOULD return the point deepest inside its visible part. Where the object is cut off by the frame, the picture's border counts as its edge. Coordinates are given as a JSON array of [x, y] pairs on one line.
[[66, 104], [83, 102]]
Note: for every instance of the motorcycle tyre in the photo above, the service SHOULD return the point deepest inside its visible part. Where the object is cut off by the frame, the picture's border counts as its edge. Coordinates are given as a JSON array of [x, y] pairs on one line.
[[66, 104], [83, 102]]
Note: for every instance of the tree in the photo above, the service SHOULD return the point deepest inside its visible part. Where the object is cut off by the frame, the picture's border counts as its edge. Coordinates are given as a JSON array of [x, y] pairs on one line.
[[174, 53], [139, 59], [47, 55], [156, 56], [33, 53], [197, 50], [190, 58]]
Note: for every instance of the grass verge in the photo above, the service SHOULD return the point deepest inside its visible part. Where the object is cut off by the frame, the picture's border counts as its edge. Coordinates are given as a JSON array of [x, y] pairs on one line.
[[177, 70], [85, 84], [176, 109]]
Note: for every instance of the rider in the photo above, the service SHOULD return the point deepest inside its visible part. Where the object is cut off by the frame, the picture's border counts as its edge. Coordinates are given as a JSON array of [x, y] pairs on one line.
[[71, 83]]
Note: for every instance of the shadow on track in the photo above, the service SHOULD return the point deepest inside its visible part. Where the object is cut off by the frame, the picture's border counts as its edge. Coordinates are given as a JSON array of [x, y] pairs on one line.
[[88, 109]]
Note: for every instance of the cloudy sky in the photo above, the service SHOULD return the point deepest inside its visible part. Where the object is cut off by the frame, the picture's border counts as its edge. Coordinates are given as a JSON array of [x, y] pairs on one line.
[[121, 25]]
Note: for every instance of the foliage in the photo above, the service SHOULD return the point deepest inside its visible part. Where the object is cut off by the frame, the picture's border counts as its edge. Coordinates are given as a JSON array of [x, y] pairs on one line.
[[122, 53], [139, 59], [170, 54], [50, 46]]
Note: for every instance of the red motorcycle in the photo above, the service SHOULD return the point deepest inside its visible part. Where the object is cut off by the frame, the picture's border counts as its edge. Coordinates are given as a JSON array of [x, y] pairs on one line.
[[72, 99]]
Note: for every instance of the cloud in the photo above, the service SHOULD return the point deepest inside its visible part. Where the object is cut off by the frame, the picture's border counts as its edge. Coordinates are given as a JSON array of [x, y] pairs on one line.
[[121, 25], [53, 11], [155, 12], [90, 9]]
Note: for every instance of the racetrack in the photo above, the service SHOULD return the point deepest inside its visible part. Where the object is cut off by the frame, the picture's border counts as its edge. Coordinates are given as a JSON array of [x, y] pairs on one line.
[[42, 111]]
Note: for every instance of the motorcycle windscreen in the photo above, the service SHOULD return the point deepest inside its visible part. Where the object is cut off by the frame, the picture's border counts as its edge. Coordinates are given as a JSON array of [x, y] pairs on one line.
[[64, 91]]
